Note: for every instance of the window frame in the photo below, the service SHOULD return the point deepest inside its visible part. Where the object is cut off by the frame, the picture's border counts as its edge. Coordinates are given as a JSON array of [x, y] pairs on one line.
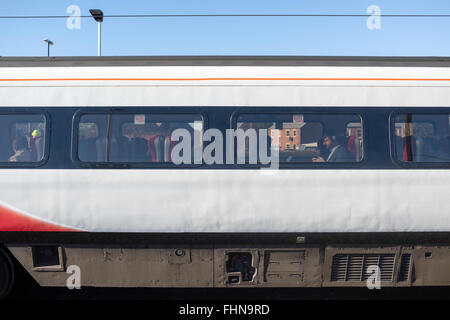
[[35, 112], [307, 111], [392, 147], [129, 111]]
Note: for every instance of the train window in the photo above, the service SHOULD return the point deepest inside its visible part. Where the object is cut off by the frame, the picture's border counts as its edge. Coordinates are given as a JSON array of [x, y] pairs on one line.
[[317, 138], [422, 137], [23, 137], [140, 138]]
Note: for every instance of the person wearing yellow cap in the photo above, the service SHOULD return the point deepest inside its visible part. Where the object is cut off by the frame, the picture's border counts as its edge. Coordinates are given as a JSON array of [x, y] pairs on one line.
[[36, 133], [36, 145]]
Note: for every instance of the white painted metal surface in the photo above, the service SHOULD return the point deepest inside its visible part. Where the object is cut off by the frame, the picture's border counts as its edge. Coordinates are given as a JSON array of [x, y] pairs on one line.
[[229, 200], [233, 200], [225, 86]]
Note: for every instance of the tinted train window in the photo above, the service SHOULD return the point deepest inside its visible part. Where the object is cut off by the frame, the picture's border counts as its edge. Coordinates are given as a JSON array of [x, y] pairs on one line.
[[310, 137], [141, 138], [422, 137], [22, 138]]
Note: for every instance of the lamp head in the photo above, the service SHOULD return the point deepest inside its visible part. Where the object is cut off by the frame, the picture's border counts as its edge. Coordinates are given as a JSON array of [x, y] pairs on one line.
[[97, 14]]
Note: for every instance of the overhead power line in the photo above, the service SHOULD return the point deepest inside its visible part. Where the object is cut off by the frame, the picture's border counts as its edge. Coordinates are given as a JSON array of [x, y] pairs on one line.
[[236, 15]]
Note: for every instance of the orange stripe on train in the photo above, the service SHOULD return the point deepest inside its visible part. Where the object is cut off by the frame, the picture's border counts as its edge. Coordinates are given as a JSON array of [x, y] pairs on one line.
[[228, 79]]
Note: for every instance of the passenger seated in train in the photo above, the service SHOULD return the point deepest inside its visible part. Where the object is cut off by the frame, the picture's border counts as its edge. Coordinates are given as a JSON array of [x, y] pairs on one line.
[[36, 145], [21, 151], [337, 152], [323, 151]]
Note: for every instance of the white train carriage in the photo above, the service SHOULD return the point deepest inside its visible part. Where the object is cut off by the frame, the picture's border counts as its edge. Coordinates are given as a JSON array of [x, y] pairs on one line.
[[358, 147]]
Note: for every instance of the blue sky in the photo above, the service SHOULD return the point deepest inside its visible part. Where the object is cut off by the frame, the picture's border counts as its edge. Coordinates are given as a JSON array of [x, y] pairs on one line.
[[230, 35]]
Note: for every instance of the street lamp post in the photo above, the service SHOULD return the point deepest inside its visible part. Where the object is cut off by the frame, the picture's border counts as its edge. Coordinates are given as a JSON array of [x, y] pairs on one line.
[[49, 43], [97, 14]]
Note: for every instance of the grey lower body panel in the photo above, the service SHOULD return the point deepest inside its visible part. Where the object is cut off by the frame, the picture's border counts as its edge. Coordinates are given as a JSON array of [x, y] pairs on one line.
[[206, 266]]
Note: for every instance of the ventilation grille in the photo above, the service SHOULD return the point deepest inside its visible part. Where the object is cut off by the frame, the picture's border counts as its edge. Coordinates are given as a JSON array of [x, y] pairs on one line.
[[354, 267], [405, 263]]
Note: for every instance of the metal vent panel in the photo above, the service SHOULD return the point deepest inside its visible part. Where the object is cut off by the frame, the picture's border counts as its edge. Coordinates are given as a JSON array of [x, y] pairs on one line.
[[284, 266], [355, 267], [405, 266]]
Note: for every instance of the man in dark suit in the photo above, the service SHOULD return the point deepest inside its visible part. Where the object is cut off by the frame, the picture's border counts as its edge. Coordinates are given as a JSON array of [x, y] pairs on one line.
[[337, 153]]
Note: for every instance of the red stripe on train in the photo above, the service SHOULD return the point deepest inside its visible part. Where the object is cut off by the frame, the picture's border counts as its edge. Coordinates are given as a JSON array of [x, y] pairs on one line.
[[11, 220]]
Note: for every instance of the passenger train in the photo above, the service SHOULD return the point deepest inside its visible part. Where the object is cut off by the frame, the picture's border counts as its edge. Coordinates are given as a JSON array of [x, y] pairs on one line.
[[88, 176]]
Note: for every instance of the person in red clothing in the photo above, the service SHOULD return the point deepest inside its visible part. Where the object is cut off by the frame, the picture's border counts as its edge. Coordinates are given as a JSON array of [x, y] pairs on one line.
[[160, 144], [351, 146]]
